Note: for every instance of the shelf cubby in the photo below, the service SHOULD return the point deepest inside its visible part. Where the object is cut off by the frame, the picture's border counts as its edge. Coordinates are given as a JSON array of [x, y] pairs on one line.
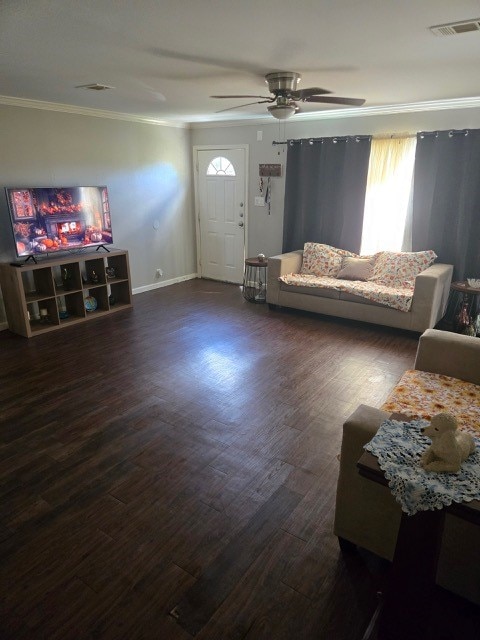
[[36, 295]]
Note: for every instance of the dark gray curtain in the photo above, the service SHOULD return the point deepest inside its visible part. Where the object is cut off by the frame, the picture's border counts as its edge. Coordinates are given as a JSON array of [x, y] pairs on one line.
[[446, 199], [325, 186]]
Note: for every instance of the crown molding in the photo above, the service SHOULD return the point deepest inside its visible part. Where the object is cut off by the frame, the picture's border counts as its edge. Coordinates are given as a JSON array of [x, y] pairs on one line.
[[327, 114], [86, 111], [352, 112]]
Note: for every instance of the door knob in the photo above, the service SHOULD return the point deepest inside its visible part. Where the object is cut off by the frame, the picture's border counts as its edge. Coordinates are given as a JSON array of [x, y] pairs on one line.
[[240, 224]]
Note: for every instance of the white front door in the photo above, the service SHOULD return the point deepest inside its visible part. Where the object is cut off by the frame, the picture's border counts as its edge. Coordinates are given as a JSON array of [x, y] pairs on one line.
[[221, 213]]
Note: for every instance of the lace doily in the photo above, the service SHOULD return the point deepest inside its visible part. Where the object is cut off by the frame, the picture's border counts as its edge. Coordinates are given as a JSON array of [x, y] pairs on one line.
[[399, 446]]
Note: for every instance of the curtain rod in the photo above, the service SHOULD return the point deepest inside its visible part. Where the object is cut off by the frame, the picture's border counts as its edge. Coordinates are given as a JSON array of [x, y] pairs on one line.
[[312, 140], [393, 136]]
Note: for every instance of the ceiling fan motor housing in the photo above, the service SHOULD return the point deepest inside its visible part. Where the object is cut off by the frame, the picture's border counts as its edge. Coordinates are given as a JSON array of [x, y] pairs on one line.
[[282, 82]]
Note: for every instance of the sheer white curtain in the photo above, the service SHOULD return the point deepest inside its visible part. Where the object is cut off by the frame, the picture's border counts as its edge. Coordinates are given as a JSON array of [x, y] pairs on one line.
[[389, 185]]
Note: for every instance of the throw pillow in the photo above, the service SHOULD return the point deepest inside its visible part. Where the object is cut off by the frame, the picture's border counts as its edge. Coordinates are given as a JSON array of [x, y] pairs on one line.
[[322, 259], [400, 268], [357, 268]]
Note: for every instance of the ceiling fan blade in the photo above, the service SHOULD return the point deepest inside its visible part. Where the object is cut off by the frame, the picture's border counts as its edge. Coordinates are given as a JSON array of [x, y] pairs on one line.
[[239, 106], [354, 102], [301, 94], [266, 97]]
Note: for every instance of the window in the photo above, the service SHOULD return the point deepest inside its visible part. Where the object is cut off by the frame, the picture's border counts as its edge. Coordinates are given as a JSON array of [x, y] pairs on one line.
[[220, 167], [389, 185]]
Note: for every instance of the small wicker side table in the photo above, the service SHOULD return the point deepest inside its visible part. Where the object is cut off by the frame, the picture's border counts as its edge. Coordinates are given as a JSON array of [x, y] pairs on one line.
[[255, 280]]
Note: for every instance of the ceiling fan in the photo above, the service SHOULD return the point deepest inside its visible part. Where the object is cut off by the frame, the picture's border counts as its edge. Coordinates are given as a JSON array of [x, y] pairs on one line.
[[283, 103]]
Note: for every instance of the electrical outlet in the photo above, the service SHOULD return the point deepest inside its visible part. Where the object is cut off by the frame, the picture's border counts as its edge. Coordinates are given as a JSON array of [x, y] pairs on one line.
[[158, 273]]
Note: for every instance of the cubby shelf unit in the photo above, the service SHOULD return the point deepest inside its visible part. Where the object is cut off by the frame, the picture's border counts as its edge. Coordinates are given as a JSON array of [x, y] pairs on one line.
[[52, 294]]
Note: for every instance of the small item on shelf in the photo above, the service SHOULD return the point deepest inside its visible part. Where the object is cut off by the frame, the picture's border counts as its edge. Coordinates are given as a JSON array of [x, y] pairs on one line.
[[84, 278], [90, 303], [261, 257], [94, 278], [474, 283], [62, 311], [44, 317], [470, 330], [462, 320], [111, 273], [67, 279], [111, 299]]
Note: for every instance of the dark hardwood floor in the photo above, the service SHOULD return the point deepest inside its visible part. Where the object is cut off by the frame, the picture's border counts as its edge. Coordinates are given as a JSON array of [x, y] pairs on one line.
[[170, 471]]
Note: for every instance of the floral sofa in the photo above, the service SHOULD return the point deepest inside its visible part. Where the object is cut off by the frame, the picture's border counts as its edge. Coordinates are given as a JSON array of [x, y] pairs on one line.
[[396, 289], [446, 377]]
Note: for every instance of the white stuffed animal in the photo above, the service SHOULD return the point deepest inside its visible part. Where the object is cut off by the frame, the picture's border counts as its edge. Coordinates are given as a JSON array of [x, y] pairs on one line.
[[449, 447]]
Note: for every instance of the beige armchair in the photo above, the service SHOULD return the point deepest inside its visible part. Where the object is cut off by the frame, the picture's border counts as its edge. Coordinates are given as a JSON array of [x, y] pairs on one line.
[[366, 513]]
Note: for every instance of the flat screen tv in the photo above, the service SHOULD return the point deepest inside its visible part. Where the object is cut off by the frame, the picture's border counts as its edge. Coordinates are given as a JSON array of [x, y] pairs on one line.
[[52, 219]]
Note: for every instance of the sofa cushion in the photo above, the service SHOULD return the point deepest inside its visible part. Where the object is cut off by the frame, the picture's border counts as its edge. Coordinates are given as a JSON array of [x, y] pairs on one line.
[[421, 394], [321, 292], [396, 297], [399, 268], [322, 259], [357, 268], [352, 297]]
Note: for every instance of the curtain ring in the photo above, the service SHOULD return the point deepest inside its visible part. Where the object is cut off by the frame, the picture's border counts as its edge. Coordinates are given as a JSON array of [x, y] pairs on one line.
[[310, 142], [450, 134], [335, 141], [466, 132]]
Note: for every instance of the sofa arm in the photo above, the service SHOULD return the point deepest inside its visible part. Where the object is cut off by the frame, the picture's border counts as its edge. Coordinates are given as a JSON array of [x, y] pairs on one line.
[[366, 512], [279, 266], [430, 297], [450, 354]]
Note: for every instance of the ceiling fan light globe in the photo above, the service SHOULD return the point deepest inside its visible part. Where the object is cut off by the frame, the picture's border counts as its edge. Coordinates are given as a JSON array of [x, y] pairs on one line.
[[281, 111]]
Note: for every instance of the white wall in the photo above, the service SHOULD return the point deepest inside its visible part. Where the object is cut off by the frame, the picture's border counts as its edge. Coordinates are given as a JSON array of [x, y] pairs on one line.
[[264, 231], [146, 167]]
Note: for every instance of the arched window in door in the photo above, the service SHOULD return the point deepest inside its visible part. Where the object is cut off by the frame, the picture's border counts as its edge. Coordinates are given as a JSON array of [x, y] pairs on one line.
[[220, 167]]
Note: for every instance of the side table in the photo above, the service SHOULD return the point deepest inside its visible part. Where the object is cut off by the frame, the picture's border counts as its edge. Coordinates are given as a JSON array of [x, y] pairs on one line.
[[464, 306], [255, 280], [406, 610]]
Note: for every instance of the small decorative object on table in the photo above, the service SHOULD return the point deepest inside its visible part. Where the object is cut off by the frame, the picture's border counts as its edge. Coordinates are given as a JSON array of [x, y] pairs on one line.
[[90, 303], [474, 283], [261, 257], [449, 447], [111, 273]]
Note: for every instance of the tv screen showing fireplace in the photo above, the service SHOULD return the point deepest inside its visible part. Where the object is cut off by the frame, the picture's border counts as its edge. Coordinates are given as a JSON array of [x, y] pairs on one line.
[[52, 219]]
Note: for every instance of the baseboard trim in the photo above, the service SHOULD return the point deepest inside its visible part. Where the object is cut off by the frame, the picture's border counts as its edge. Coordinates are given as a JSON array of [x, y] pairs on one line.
[[165, 283]]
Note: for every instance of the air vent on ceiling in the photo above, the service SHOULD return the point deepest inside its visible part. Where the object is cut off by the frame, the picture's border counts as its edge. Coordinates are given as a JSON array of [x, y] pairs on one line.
[[456, 28], [94, 86]]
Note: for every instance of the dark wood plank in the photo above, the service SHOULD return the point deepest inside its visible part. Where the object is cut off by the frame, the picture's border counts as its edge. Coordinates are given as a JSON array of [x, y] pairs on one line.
[[201, 601]]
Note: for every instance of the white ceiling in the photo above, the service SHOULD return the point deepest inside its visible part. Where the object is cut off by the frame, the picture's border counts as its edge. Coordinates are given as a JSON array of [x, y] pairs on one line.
[[166, 58]]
